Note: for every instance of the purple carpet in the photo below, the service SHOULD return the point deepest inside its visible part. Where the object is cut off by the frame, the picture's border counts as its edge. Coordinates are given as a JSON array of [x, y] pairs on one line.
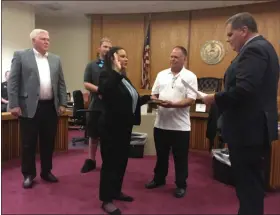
[[78, 193]]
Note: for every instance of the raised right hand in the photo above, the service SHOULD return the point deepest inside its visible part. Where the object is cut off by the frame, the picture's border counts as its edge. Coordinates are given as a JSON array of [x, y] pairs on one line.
[[117, 63]]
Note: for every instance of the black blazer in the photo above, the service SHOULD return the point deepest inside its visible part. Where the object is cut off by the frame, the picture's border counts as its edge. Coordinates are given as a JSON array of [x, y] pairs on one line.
[[117, 100], [249, 100]]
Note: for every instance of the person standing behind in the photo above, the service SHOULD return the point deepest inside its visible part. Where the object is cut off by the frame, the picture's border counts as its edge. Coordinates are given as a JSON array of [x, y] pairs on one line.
[[91, 78], [172, 125], [4, 93], [249, 108], [37, 94]]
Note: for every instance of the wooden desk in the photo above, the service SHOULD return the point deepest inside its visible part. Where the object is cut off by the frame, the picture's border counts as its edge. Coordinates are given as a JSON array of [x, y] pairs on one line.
[[198, 140], [10, 139], [274, 177]]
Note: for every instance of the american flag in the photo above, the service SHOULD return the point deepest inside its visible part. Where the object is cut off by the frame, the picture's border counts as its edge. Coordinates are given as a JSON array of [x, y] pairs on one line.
[[146, 62]]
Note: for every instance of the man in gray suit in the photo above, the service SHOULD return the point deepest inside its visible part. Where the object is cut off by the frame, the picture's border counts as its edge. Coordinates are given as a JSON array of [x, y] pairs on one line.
[[37, 95]]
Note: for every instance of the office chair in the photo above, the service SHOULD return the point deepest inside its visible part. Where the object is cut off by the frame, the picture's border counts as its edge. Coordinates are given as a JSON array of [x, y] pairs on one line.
[[79, 116], [209, 84], [214, 125]]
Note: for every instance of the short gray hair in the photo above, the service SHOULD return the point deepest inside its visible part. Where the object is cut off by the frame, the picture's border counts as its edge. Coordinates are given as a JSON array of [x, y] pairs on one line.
[[243, 19], [35, 33]]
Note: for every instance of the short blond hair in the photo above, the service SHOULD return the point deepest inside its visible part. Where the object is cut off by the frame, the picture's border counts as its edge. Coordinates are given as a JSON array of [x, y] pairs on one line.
[[105, 39], [35, 33]]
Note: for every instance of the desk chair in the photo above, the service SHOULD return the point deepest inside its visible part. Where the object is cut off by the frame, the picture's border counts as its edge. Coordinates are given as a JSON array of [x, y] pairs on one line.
[[79, 116], [209, 84], [214, 125]]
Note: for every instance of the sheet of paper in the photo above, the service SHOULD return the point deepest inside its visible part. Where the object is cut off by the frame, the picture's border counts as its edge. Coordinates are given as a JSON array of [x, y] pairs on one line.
[[199, 93], [200, 108]]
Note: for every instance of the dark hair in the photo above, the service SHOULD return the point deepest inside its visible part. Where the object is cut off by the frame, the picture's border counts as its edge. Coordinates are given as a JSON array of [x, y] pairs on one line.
[[183, 49], [108, 63], [240, 20]]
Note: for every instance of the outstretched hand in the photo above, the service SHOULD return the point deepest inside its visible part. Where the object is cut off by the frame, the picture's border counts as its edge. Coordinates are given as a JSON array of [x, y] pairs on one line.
[[117, 63]]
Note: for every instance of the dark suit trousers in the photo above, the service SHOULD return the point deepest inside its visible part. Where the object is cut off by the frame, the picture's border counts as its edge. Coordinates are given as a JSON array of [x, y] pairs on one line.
[[44, 125], [114, 143], [247, 165], [179, 142]]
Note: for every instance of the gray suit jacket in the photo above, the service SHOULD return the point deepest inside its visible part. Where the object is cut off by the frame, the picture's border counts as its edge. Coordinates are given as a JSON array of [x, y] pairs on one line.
[[24, 82]]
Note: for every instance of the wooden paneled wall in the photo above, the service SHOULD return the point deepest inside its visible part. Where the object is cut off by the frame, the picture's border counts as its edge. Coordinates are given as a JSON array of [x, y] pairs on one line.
[[189, 28]]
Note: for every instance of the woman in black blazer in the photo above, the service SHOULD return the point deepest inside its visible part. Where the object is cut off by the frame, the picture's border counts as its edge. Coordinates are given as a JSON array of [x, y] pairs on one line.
[[121, 111]]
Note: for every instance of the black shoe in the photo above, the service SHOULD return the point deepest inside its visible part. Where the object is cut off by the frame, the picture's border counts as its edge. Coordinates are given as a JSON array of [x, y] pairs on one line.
[[88, 166], [179, 192], [153, 184], [125, 198], [117, 211], [49, 177], [28, 182]]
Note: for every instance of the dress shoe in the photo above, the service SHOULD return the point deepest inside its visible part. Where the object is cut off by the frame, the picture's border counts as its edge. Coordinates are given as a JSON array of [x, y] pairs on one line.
[[153, 184], [179, 192], [49, 177], [88, 166], [28, 182], [110, 208], [124, 197]]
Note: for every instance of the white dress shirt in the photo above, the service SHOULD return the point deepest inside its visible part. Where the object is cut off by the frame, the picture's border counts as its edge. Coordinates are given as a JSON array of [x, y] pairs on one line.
[[170, 87], [46, 92]]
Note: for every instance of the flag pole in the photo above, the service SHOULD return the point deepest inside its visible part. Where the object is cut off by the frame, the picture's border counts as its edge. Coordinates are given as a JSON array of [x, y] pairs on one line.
[[145, 73]]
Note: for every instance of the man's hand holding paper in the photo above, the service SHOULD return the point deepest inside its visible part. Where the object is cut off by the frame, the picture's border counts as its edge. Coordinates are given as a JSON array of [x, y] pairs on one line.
[[209, 99]]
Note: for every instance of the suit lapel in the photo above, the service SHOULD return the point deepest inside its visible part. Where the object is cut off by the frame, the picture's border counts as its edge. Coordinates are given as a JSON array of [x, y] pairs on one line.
[[33, 62], [230, 73]]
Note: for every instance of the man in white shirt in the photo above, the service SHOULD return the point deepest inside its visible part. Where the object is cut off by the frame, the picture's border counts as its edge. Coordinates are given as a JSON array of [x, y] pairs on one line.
[[37, 95], [172, 125]]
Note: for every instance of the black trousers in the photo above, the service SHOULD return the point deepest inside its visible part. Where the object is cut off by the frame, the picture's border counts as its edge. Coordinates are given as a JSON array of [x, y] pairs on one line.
[[44, 125], [178, 141], [114, 145], [92, 124], [247, 163]]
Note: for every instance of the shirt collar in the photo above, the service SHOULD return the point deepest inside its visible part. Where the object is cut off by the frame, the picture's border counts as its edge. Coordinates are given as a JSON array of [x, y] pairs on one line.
[[249, 41], [170, 72], [39, 54]]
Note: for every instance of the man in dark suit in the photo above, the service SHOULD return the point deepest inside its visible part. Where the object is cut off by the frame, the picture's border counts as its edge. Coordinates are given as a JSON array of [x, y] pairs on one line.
[[37, 94], [91, 79], [249, 107]]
